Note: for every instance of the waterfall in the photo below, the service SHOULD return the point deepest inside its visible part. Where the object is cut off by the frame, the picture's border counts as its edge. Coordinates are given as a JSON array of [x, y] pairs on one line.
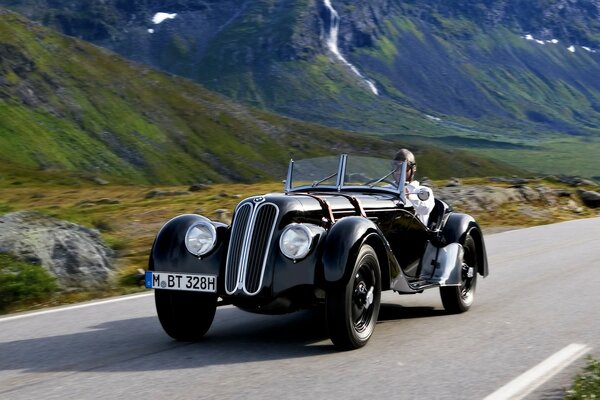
[[332, 44]]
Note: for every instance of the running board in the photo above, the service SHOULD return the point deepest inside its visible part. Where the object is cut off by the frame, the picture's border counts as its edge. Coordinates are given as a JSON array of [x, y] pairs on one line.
[[422, 285]]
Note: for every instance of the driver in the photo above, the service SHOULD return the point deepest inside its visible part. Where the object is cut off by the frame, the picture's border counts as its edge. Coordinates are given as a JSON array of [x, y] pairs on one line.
[[421, 197]]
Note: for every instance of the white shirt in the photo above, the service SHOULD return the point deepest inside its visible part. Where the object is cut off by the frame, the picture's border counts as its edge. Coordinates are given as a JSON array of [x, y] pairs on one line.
[[422, 207]]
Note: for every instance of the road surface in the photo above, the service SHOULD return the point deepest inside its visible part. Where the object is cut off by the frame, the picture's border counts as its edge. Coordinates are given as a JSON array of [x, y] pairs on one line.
[[542, 297]]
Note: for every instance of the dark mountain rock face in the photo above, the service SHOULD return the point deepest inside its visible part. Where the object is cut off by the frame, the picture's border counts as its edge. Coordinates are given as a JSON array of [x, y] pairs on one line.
[[504, 65], [574, 21]]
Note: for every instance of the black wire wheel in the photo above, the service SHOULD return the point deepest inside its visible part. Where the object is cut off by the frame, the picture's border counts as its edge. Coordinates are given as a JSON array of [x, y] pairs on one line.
[[185, 316], [352, 309], [458, 299]]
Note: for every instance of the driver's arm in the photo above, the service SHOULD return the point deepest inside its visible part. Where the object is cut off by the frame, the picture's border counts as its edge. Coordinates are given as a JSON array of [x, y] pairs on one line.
[[422, 207]]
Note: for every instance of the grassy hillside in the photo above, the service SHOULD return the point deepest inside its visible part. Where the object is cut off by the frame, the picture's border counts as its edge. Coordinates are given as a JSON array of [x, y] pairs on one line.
[[461, 75], [70, 106]]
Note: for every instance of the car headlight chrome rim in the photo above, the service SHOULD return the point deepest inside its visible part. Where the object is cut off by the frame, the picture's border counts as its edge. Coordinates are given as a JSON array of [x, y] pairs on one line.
[[296, 241], [200, 238]]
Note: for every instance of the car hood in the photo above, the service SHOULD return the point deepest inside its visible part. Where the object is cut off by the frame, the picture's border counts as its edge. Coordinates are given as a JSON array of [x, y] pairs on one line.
[[337, 201]]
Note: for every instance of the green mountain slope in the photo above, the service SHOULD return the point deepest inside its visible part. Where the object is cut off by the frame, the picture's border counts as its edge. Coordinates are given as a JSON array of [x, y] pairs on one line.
[[66, 105], [519, 76]]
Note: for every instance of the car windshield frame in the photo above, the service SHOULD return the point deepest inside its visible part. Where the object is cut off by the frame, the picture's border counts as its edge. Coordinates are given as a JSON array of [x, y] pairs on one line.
[[340, 173]]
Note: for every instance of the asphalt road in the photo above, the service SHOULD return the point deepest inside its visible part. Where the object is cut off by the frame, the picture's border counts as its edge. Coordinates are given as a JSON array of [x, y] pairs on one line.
[[541, 296]]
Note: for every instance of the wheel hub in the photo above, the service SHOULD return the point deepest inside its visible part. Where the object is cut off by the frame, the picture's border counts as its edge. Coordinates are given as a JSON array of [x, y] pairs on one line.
[[468, 272], [363, 297], [369, 297]]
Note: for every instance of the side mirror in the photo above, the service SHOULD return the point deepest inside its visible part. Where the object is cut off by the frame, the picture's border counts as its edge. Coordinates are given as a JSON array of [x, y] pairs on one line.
[[423, 194]]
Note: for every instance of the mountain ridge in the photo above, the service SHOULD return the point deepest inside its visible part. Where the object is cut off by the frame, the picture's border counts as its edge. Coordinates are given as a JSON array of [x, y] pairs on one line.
[[67, 105], [241, 50]]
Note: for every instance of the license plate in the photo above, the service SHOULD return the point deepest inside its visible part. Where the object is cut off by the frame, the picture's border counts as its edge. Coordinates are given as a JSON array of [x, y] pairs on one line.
[[191, 282]]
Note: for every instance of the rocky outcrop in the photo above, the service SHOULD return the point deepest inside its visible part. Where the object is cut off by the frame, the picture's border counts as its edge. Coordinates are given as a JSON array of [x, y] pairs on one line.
[[75, 255], [574, 181], [488, 198]]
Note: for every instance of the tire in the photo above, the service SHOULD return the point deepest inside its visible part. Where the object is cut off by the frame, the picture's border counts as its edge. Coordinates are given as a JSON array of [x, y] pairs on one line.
[[352, 309], [185, 316], [458, 299]]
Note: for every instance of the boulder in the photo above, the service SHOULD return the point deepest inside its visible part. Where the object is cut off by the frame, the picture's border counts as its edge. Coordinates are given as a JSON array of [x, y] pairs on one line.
[[453, 182], [100, 181], [197, 187], [97, 202], [575, 181], [74, 254], [223, 215], [562, 193], [574, 207], [162, 193], [589, 198]]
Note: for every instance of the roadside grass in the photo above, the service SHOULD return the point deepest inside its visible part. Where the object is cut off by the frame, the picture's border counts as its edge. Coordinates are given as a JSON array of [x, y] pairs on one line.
[[125, 216], [129, 216], [22, 283], [570, 155], [586, 384]]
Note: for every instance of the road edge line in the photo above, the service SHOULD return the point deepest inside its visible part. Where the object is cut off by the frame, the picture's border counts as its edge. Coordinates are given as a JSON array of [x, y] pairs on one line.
[[74, 307], [527, 382]]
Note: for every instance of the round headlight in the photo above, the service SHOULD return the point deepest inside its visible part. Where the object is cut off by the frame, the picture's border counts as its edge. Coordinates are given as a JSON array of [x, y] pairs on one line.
[[295, 241], [201, 238]]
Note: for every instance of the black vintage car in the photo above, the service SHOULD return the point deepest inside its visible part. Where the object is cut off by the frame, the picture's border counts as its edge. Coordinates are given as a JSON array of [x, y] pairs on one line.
[[342, 231]]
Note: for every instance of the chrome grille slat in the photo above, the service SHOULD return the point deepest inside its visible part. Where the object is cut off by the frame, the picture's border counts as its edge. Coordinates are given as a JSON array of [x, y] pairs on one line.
[[251, 237], [261, 238], [238, 232]]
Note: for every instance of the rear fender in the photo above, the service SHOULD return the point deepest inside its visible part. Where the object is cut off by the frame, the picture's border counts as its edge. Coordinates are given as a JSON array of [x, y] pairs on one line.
[[455, 230]]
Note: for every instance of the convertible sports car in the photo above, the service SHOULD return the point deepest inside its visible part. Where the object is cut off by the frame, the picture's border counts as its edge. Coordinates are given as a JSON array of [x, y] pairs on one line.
[[342, 231]]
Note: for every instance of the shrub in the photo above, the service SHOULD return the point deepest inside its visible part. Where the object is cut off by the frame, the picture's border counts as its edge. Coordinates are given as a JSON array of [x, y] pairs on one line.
[[103, 225], [587, 383], [22, 283]]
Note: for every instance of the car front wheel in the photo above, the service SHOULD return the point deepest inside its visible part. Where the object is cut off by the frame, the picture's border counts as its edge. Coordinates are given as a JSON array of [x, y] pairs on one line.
[[352, 309], [458, 299], [185, 316]]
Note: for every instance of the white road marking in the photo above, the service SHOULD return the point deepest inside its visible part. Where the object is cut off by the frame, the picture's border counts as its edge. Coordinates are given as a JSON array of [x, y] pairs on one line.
[[74, 307], [526, 383]]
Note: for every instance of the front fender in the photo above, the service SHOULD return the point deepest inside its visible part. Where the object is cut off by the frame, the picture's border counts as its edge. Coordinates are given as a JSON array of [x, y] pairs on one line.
[[342, 244], [455, 230], [169, 253]]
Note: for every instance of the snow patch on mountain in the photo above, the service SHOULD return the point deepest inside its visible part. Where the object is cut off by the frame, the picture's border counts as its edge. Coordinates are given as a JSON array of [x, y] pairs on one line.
[[571, 48], [159, 17]]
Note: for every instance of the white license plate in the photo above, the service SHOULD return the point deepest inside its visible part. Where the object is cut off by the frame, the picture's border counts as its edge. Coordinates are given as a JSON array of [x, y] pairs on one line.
[[191, 282]]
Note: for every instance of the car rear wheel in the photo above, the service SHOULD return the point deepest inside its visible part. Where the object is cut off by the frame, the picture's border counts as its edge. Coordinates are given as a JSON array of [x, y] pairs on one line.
[[185, 316], [352, 309], [458, 299]]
